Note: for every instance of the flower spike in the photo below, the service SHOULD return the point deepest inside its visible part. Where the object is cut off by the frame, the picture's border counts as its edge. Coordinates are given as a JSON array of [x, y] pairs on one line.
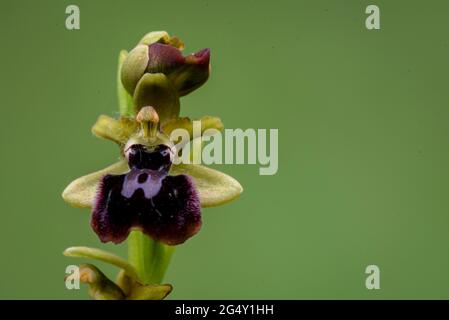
[[144, 197]]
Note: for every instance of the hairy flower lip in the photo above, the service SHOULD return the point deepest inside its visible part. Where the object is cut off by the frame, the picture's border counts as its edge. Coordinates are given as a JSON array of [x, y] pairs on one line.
[[170, 231], [167, 208]]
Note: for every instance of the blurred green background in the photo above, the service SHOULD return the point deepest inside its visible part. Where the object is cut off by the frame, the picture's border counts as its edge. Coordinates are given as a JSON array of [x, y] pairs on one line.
[[363, 135]]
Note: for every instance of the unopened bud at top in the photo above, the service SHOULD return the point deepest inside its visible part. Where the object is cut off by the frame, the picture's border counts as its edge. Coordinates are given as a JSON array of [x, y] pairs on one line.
[[157, 52]]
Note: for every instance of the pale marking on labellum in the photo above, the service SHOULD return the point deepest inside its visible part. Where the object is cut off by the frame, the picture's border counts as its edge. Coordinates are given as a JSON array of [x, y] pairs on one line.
[[150, 186]]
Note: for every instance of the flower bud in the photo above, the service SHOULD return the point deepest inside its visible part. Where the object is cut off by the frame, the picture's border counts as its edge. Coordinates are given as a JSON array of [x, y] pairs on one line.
[[158, 53]]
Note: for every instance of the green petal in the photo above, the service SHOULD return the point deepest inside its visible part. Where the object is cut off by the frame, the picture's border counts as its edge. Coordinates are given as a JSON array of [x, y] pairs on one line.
[[82, 191], [150, 292], [117, 130], [125, 100], [101, 255], [214, 187], [154, 89]]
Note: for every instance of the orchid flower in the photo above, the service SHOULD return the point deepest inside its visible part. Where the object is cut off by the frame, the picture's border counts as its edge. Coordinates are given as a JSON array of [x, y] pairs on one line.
[[145, 198]]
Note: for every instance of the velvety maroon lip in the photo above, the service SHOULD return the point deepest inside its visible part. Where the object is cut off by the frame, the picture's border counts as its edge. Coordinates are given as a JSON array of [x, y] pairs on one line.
[[166, 208]]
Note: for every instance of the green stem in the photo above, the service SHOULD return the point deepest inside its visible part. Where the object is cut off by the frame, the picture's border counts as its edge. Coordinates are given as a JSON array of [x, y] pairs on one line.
[[149, 257], [139, 254], [161, 259]]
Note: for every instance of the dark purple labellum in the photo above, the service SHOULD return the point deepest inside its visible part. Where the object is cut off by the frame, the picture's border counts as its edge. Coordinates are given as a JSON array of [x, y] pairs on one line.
[[167, 208]]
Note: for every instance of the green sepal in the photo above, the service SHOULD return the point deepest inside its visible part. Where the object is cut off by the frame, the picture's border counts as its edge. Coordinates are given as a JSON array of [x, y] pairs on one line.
[[214, 187], [81, 192], [104, 256]]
